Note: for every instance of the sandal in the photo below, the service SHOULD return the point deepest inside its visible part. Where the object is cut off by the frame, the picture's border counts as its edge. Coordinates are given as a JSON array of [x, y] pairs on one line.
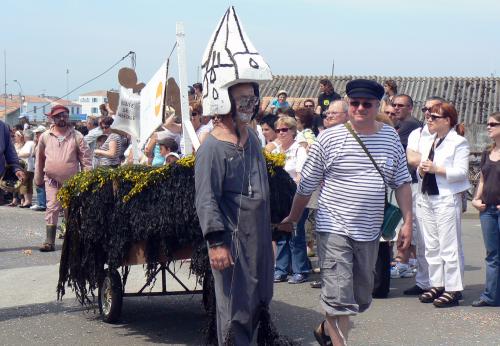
[[321, 337], [447, 299], [431, 295], [12, 204], [46, 247]]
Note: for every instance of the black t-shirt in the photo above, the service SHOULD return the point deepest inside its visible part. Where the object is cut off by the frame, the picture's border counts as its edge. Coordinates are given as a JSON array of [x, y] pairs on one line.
[[404, 129], [324, 100], [491, 176]]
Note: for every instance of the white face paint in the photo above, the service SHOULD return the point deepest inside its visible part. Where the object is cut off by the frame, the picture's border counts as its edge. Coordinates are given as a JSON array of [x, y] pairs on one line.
[[244, 117]]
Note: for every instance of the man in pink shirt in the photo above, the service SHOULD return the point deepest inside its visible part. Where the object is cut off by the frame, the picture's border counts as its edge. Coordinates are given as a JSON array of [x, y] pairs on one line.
[[61, 153]]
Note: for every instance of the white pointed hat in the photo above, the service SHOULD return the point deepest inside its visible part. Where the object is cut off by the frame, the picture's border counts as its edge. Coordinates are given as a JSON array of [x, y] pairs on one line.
[[230, 58]]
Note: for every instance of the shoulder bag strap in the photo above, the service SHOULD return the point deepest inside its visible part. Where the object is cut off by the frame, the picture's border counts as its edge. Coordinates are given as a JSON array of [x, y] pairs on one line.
[[365, 149]]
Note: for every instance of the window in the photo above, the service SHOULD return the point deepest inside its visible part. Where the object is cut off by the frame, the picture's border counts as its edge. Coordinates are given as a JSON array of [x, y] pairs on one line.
[[43, 109], [105, 100], [72, 110], [93, 110], [34, 109], [94, 99]]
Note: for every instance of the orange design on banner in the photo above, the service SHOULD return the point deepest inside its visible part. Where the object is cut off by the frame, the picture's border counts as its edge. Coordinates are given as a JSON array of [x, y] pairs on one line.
[[159, 95]]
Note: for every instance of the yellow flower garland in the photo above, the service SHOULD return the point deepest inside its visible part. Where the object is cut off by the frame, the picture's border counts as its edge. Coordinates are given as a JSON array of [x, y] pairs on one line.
[[140, 176]]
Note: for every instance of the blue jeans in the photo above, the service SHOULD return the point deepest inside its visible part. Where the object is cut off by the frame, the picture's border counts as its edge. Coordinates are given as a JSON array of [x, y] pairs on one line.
[[490, 224], [293, 249], [40, 195]]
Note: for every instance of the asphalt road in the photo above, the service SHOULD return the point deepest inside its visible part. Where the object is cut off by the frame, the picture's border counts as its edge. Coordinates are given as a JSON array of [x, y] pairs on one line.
[[30, 313]]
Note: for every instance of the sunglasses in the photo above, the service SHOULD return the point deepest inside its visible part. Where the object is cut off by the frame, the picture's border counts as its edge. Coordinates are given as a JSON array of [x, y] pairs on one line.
[[193, 114], [60, 116], [433, 117], [390, 114], [426, 109], [399, 105], [284, 130], [309, 106], [356, 104], [247, 101], [493, 124]]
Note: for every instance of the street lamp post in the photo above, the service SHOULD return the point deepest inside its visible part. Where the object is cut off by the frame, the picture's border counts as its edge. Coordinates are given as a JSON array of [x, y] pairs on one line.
[[20, 95]]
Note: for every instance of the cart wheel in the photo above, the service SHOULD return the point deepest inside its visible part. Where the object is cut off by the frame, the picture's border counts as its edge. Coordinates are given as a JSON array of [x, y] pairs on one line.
[[111, 296]]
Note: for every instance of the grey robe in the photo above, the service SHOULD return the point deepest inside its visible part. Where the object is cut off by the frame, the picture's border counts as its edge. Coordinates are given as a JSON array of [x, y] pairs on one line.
[[222, 176]]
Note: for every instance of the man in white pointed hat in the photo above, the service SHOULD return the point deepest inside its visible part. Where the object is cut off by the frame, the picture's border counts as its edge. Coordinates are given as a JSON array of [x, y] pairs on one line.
[[232, 189]]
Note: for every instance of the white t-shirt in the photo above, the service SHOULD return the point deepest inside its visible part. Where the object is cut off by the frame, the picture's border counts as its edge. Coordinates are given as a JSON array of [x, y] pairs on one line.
[[28, 149], [416, 136], [296, 155]]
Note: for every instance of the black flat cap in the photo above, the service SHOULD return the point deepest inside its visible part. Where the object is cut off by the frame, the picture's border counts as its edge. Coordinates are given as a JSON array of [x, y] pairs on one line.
[[364, 88]]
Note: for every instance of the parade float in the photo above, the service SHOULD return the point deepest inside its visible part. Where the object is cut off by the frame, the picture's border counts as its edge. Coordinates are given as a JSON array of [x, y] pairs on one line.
[[142, 215]]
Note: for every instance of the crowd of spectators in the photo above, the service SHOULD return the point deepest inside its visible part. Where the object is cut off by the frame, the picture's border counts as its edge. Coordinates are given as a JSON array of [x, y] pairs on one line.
[[437, 158]]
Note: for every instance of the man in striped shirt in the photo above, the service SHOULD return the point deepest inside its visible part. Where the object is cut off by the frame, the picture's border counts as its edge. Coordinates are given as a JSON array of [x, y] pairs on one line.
[[351, 206]]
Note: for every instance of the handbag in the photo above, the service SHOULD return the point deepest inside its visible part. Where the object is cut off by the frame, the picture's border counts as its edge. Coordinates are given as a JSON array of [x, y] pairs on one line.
[[392, 214]]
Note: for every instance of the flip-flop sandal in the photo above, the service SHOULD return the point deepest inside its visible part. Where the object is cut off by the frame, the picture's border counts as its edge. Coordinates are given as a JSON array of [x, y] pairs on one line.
[[321, 337], [446, 300]]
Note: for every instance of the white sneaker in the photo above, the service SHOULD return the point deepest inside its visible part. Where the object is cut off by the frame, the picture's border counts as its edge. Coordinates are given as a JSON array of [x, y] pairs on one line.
[[33, 207], [401, 270]]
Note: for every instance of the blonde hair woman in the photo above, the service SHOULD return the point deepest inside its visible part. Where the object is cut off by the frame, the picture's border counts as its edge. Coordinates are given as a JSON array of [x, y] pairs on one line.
[[291, 248]]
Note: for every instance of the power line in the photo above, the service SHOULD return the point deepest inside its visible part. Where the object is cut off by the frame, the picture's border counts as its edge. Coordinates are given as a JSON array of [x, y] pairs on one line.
[[90, 80]]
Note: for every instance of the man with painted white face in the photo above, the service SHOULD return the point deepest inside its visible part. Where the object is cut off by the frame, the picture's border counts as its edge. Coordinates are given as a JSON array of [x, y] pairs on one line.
[[232, 201], [351, 205]]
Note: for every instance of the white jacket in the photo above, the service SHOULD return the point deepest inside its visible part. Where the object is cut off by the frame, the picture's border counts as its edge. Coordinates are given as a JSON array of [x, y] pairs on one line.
[[453, 154]]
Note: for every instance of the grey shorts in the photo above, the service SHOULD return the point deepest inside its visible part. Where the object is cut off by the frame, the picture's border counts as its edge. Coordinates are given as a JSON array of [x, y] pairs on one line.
[[347, 273]]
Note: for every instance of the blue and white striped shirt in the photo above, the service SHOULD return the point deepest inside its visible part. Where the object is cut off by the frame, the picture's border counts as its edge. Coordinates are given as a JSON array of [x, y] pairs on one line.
[[351, 201]]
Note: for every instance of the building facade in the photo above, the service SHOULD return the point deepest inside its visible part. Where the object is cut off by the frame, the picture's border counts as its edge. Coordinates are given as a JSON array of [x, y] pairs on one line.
[[91, 101]]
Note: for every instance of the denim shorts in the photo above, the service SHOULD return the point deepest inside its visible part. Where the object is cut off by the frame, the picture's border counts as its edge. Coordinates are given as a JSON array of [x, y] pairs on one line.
[[347, 273]]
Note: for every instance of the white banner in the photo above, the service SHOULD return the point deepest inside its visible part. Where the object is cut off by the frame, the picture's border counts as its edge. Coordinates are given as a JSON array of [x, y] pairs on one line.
[[127, 114], [152, 103]]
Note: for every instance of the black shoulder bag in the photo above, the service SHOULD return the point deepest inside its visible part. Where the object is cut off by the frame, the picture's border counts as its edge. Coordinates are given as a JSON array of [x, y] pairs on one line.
[[392, 214]]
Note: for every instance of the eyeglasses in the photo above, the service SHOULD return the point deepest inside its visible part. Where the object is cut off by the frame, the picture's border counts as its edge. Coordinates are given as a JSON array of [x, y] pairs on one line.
[[493, 124], [356, 104], [399, 105], [433, 117], [328, 114], [391, 114], [284, 130], [426, 109]]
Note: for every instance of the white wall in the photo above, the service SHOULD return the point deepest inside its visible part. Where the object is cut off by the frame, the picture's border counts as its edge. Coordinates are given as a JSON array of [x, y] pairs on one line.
[[36, 110], [90, 104]]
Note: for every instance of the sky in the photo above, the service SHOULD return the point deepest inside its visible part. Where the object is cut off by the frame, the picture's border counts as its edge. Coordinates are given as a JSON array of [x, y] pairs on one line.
[[42, 40]]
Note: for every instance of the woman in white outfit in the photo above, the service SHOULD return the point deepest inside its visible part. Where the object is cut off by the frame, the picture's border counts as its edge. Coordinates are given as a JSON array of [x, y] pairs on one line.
[[444, 167]]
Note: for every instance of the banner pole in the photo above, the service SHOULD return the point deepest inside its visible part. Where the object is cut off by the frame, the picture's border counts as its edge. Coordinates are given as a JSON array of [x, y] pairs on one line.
[[181, 61]]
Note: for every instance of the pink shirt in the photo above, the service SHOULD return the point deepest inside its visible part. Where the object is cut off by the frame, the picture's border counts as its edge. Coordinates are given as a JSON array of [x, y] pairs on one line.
[[61, 159]]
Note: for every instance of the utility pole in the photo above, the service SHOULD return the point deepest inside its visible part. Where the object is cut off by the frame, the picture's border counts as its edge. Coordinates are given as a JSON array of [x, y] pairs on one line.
[[67, 82], [5, 82], [20, 96]]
